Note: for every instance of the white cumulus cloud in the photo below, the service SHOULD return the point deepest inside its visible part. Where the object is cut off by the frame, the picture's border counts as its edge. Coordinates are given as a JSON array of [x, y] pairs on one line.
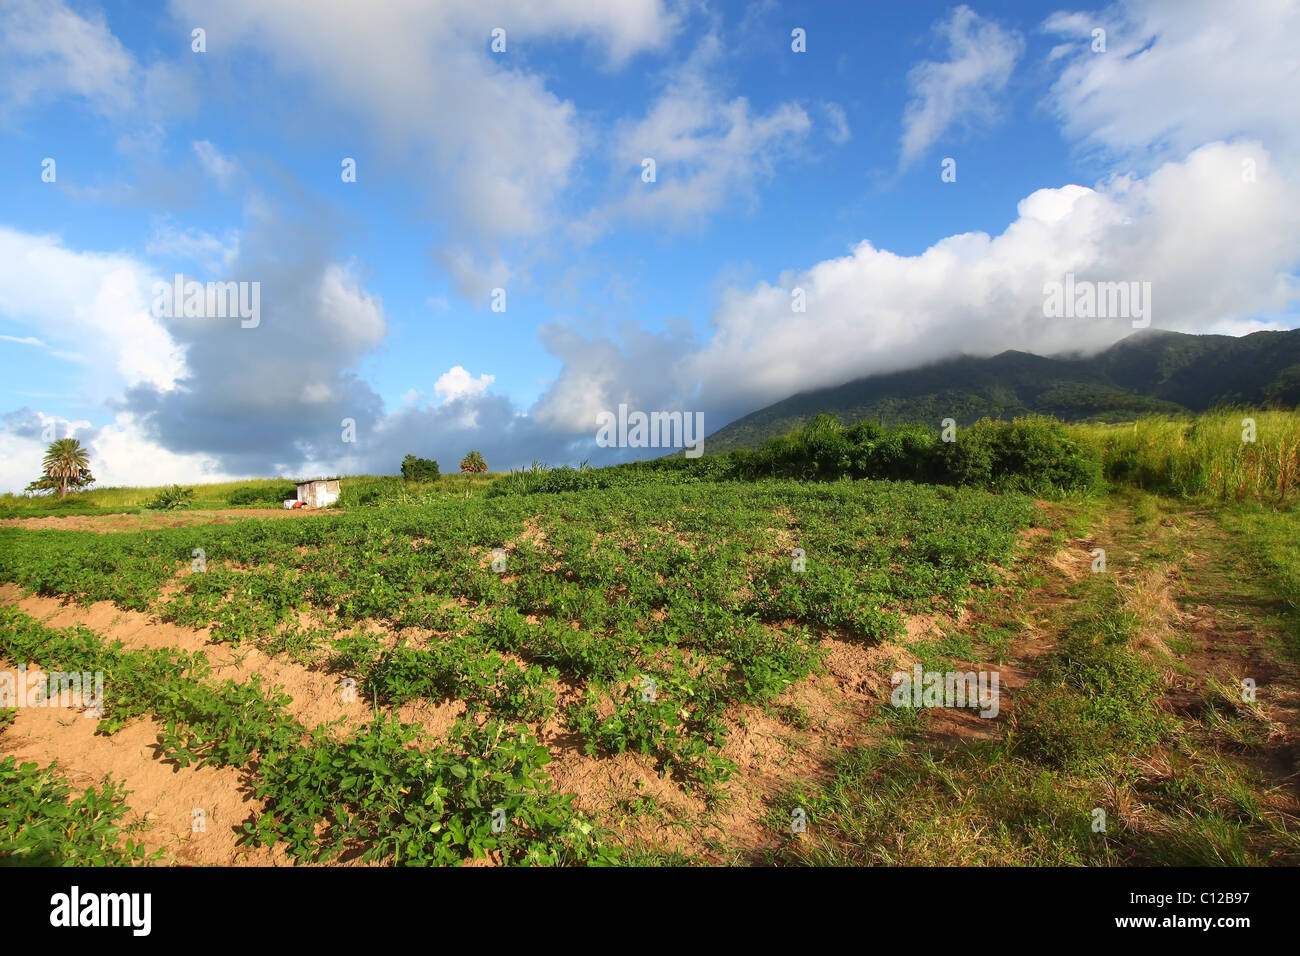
[[456, 383], [91, 302]]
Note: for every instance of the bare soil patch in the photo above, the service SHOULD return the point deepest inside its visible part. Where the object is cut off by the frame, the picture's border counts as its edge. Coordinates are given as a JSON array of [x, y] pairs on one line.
[[163, 795], [151, 521]]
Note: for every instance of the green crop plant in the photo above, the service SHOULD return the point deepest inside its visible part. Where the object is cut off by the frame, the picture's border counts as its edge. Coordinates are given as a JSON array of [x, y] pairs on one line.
[[42, 823], [322, 794]]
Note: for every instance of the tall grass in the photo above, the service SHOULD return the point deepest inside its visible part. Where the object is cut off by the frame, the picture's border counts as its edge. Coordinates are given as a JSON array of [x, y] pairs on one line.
[[1206, 457], [367, 490], [215, 495]]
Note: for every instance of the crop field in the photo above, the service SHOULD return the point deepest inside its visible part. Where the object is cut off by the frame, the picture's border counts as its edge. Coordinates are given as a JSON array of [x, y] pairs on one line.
[[659, 669], [610, 624]]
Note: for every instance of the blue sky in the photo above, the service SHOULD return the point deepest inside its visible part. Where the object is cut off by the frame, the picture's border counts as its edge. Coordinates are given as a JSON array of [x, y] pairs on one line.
[[521, 170]]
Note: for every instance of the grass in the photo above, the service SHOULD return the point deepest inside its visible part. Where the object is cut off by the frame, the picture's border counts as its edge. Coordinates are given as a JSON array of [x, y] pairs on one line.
[[901, 803], [356, 490], [126, 499], [1205, 457], [1265, 543], [1213, 456], [1090, 734], [379, 490], [1273, 535]]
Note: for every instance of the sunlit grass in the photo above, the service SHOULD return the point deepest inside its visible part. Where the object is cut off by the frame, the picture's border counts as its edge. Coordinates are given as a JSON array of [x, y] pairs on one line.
[[1210, 456], [216, 495]]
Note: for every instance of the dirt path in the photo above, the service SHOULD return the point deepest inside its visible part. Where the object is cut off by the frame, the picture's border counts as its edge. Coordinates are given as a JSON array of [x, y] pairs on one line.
[[153, 520], [1208, 619], [1213, 622], [1033, 617], [1234, 622]]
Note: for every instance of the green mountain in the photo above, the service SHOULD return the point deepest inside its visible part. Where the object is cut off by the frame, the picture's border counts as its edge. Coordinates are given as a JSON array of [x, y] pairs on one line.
[[1148, 372]]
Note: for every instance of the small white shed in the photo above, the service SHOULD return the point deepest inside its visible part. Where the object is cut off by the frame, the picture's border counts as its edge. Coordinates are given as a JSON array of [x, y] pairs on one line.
[[318, 492]]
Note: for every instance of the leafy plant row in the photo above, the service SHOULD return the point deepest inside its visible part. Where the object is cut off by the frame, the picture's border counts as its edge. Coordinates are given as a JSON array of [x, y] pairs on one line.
[[375, 790], [42, 823]]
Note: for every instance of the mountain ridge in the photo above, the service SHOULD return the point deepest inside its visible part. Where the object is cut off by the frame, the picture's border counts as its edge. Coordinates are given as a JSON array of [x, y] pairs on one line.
[[1148, 372]]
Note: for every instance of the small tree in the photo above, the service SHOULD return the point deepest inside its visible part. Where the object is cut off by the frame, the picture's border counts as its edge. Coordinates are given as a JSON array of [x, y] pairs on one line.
[[65, 465], [473, 464], [419, 469], [42, 484]]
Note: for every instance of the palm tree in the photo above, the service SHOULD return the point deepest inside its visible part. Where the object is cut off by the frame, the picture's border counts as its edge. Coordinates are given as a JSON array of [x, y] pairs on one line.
[[473, 463], [66, 461]]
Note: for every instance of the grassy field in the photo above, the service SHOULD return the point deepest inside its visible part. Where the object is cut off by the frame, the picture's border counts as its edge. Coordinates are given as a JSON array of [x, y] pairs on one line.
[[668, 671], [356, 490], [1132, 745], [1229, 456]]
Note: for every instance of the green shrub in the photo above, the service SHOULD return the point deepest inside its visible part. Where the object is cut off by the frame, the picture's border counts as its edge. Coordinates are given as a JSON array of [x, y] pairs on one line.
[[1036, 455], [1033, 455], [170, 499], [419, 469]]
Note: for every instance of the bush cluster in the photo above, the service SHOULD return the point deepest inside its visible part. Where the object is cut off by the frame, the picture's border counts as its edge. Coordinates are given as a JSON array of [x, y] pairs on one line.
[[419, 469], [1033, 455]]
